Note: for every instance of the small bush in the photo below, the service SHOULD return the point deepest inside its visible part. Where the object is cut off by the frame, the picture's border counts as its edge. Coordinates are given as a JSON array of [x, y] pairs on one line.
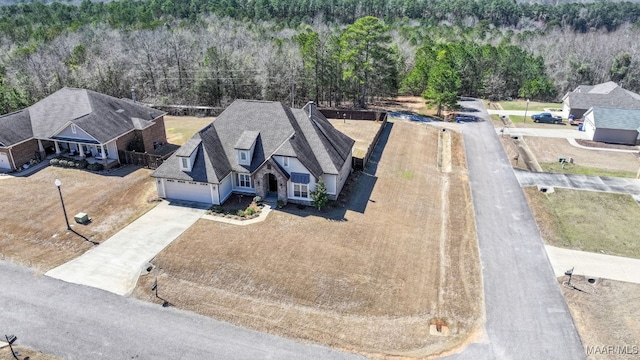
[[280, 204], [54, 162], [250, 211], [240, 213], [82, 164], [95, 167], [217, 209], [257, 200]]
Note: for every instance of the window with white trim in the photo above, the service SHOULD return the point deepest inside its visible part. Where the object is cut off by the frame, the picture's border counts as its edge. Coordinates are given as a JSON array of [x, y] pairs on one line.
[[185, 163], [244, 180], [243, 155], [301, 190]]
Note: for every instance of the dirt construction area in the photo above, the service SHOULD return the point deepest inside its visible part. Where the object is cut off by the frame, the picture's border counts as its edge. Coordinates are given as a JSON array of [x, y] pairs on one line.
[[607, 315], [392, 270], [33, 228]]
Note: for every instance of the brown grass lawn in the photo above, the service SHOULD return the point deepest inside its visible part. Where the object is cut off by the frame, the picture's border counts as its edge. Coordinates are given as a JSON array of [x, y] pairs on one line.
[[547, 150], [368, 275], [34, 231], [181, 128], [587, 220], [605, 313], [361, 131]]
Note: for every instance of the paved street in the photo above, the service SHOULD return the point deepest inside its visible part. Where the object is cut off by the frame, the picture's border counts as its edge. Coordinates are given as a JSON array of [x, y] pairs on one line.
[[116, 264], [79, 322], [527, 316]]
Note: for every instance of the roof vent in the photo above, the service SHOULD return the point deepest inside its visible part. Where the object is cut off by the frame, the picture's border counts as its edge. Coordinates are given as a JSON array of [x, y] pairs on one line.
[[120, 111]]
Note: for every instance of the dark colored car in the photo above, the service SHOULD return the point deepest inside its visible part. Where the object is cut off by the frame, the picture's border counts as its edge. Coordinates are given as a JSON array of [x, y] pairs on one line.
[[466, 118]]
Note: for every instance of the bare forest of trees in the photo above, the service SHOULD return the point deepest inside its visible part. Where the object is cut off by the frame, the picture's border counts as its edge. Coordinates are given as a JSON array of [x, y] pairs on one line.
[[212, 59]]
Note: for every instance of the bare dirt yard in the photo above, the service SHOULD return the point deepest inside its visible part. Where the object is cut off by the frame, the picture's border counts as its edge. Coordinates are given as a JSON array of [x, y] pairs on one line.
[[181, 128], [547, 150], [370, 273], [33, 228], [607, 315]]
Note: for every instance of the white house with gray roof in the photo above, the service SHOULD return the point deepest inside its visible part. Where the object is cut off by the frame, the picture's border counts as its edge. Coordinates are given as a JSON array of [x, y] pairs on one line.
[[259, 148], [80, 123], [606, 95], [619, 126]]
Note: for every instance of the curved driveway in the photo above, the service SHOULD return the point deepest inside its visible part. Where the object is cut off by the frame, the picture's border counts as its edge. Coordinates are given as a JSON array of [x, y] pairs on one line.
[[79, 322], [527, 316]]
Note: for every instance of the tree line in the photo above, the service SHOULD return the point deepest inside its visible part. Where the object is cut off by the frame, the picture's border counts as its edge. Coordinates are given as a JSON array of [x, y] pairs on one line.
[[176, 54], [26, 21]]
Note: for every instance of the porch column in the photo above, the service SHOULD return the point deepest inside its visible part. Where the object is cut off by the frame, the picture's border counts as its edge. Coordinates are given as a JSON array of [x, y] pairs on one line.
[[104, 156], [57, 147], [81, 151], [43, 154]]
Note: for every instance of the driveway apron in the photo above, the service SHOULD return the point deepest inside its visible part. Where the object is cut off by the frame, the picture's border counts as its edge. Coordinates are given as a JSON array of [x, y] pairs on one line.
[[115, 265]]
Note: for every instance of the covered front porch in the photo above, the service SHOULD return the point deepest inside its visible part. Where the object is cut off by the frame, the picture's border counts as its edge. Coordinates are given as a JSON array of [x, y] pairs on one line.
[[93, 152]]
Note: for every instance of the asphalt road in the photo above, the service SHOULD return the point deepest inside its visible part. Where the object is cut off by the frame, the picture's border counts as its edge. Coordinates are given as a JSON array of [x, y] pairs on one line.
[[79, 322], [527, 316]]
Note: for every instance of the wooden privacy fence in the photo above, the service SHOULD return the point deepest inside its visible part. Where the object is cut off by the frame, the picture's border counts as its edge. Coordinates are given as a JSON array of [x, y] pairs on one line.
[[141, 159], [360, 163]]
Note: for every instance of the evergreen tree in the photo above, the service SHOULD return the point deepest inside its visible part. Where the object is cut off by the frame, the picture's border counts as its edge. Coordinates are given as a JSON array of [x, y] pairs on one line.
[[443, 84], [319, 196]]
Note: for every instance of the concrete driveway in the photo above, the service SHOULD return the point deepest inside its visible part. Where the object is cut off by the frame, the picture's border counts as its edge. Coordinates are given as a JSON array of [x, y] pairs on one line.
[[560, 132], [594, 265], [115, 265], [579, 182]]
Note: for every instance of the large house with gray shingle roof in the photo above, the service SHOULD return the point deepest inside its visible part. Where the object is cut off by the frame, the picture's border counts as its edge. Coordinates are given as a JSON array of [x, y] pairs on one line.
[[259, 148], [77, 122], [607, 95], [618, 126]]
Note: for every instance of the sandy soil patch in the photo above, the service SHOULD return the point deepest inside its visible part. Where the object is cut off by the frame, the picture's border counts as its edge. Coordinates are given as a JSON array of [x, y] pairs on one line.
[[607, 315], [34, 231], [369, 275]]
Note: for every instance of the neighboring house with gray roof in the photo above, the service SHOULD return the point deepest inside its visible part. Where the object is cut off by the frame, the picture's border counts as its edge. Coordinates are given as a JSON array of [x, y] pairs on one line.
[[259, 148], [619, 126], [606, 95], [80, 123]]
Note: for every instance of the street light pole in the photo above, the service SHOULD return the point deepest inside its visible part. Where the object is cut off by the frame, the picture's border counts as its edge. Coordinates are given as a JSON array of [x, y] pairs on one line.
[[58, 184], [525, 112]]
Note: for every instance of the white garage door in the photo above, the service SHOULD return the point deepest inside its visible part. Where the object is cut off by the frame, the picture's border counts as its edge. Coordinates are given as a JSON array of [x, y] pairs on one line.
[[4, 161], [187, 191]]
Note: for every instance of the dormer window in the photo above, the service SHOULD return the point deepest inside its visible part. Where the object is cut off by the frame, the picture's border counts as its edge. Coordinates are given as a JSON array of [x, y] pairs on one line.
[[285, 161], [187, 154], [245, 145]]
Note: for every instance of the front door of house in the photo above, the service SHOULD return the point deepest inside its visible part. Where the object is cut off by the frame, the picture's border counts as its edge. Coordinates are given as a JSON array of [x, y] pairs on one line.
[[273, 183]]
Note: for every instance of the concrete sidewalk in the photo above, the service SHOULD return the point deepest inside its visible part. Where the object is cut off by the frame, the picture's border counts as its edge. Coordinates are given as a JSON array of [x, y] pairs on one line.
[[594, 265], [115, 265]]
